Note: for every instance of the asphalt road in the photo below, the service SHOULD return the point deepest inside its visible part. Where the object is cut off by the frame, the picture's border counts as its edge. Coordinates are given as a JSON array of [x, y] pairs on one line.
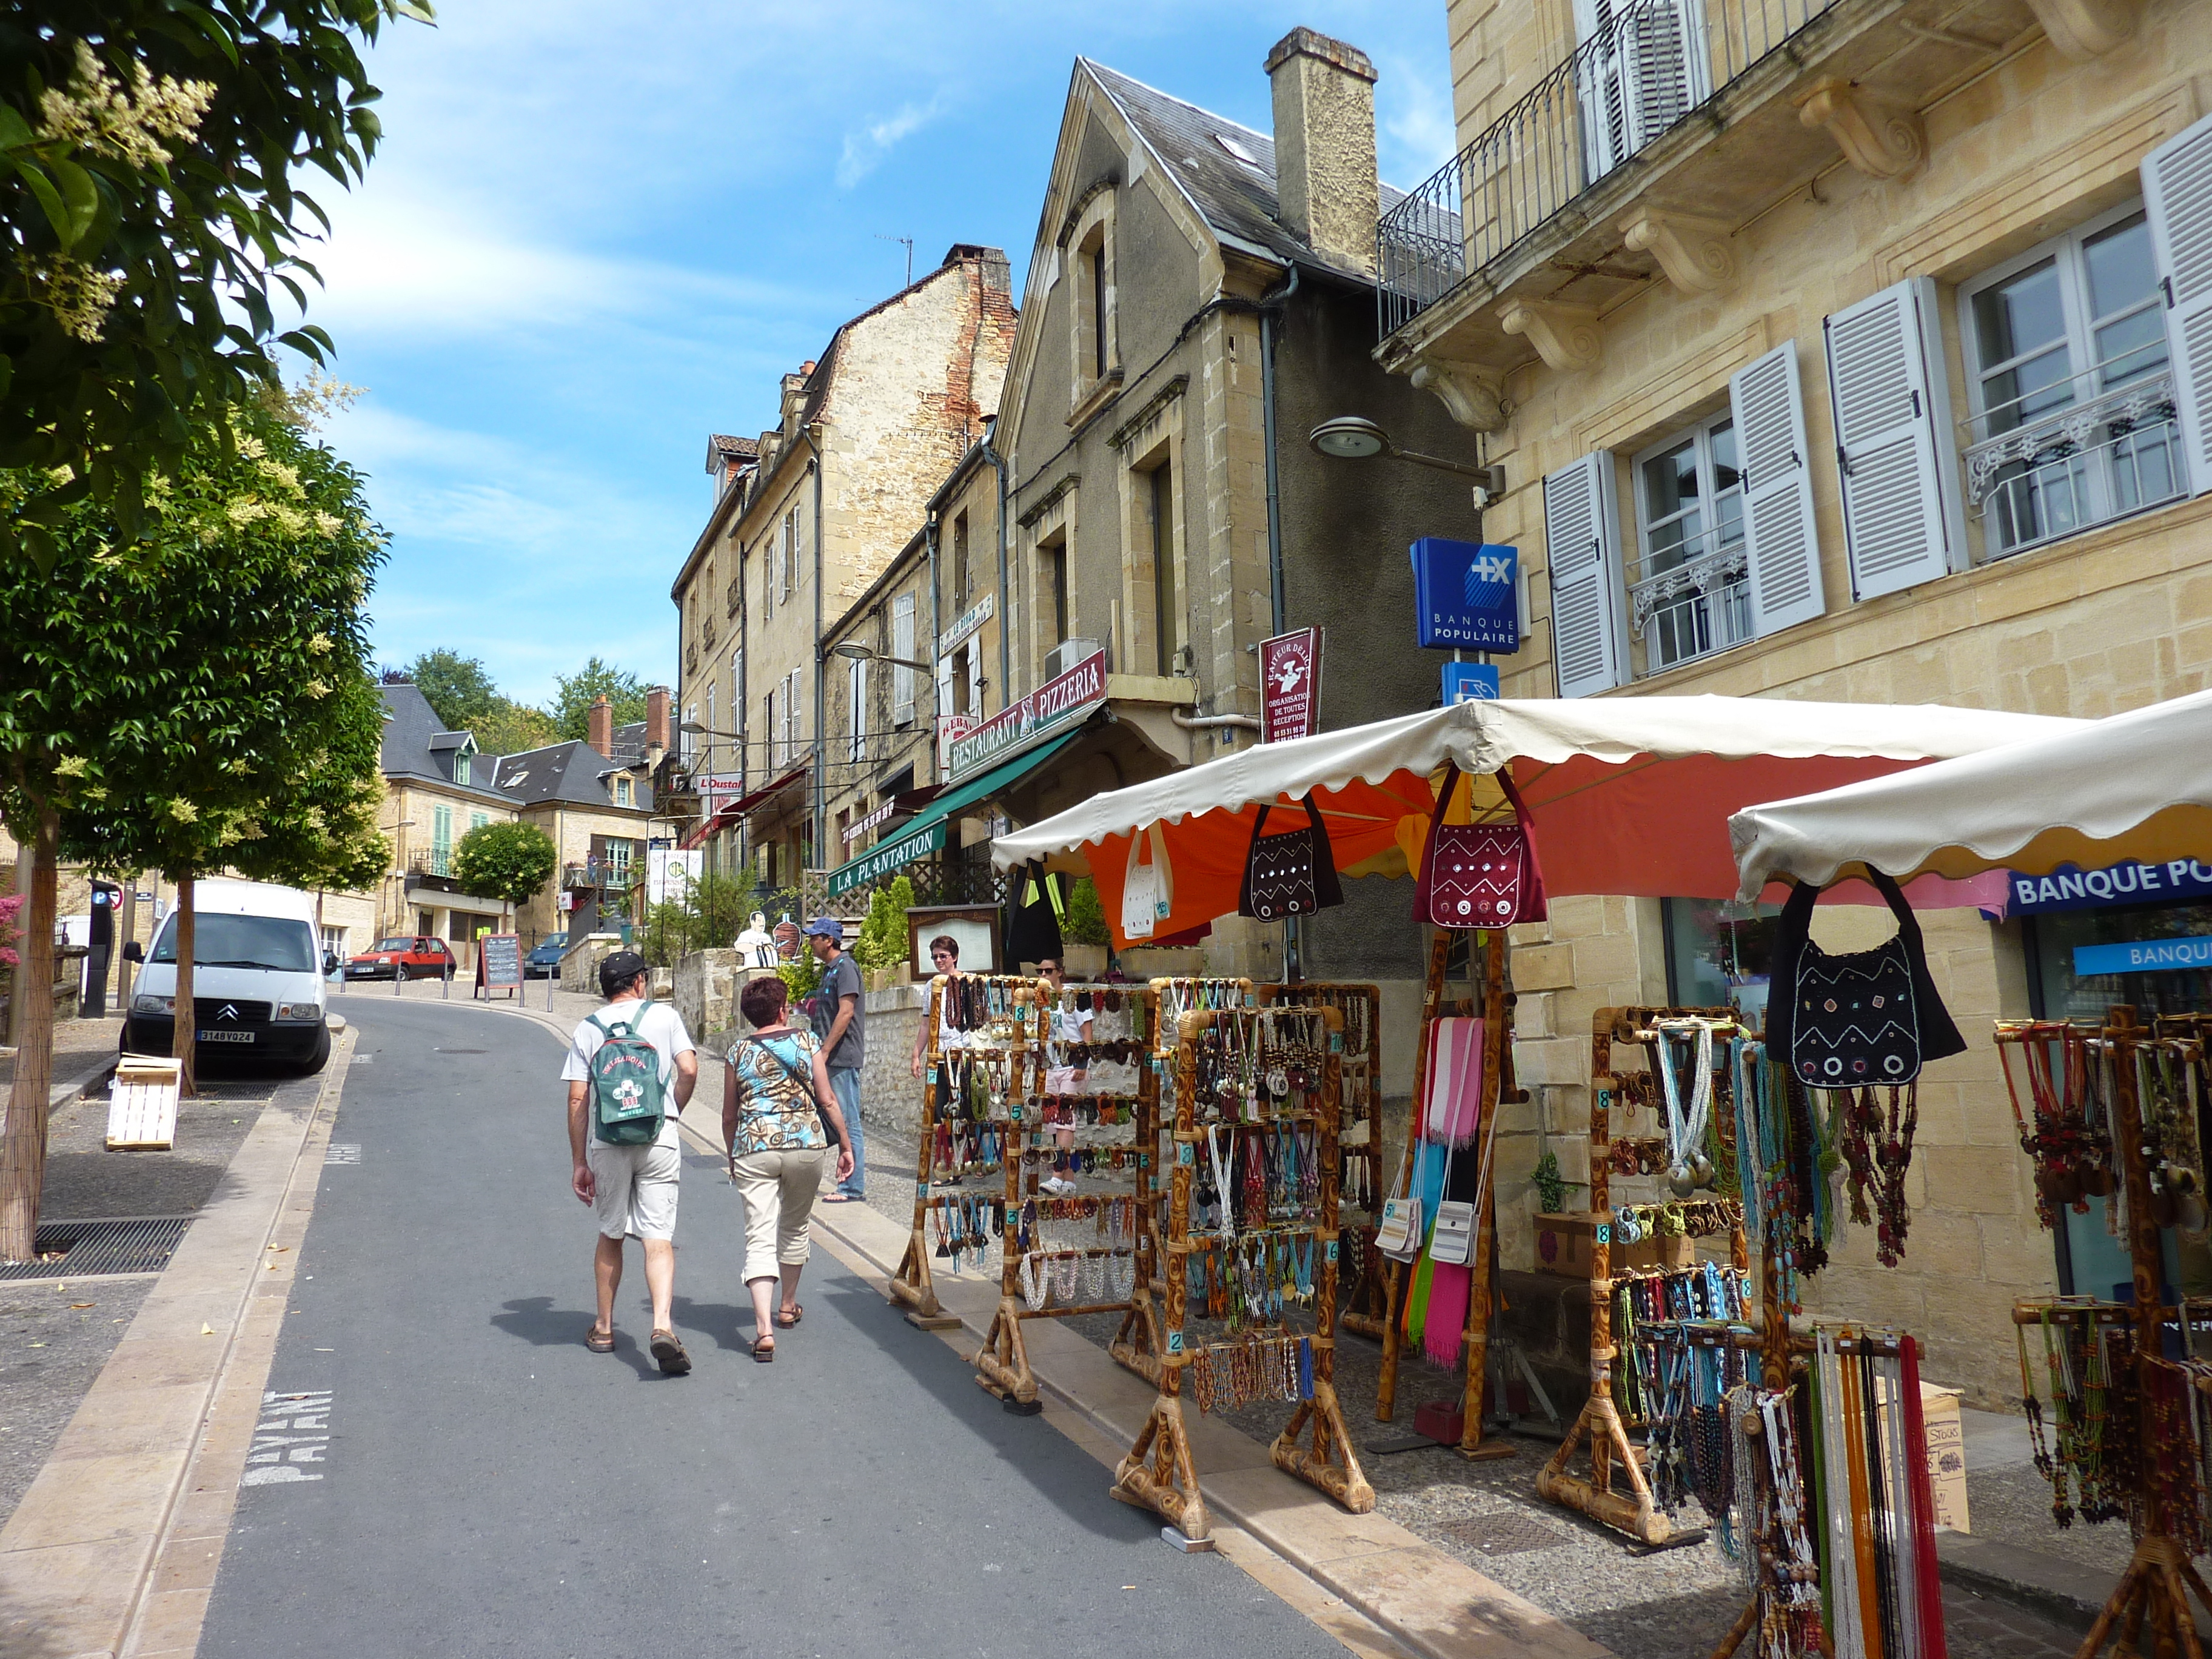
[[478, 1483]]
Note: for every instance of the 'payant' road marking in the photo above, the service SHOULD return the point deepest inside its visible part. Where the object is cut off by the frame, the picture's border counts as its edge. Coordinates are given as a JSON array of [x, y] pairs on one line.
[[294, 1430]]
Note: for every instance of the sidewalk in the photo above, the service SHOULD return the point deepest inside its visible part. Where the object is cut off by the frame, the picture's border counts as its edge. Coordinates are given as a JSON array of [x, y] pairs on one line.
[[84, 1050]]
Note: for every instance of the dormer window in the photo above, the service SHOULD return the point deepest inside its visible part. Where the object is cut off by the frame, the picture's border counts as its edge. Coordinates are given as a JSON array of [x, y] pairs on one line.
[[625, 793], [461, 767]]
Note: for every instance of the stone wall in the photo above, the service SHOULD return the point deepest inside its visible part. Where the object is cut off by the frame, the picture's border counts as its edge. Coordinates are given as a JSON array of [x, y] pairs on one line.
[[889, 1093], [706, 991], [580, 965]]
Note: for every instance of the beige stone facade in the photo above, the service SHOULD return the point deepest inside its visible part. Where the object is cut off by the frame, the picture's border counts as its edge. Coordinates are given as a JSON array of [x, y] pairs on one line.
[[1984, 176]]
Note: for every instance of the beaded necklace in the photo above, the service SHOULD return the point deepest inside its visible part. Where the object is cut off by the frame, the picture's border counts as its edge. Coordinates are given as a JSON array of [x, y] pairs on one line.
[[1688, 1168]]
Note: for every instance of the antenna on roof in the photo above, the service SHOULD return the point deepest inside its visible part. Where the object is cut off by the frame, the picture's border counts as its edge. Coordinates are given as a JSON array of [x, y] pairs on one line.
[[907, 243]]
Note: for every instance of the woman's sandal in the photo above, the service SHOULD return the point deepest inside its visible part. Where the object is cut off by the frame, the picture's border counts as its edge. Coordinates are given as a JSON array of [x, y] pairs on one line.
[[764, 1349], [599, 1341], [787, 1317]]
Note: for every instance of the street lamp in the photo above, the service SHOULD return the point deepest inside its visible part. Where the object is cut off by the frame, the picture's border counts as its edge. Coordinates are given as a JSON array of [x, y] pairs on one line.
[[1355, 438], [699, 730], [858, 652]]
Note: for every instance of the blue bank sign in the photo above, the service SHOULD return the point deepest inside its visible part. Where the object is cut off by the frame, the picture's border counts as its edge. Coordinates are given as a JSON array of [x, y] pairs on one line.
[[1469, 682], [1467, 595], [2165, 881], [2147, 955]]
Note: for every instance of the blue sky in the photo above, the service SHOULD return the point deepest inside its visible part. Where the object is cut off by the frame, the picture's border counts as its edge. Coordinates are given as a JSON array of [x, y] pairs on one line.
[[595, 234]]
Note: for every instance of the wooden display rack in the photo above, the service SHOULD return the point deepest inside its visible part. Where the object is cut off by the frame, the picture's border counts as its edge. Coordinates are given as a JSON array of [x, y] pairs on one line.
[[1002, 1364], [1633, 1511], [1159, 1472], [1366, 1299], [2155, 1589]]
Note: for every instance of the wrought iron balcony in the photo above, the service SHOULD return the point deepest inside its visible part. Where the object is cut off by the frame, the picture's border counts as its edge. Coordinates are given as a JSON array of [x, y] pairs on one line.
[[2035, 473], [1655, 65], [604, 874], [1699, 602], [430, 862]]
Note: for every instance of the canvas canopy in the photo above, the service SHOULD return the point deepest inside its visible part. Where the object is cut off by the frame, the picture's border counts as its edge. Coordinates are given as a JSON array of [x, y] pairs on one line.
[[1629, 795], [2135, 786]]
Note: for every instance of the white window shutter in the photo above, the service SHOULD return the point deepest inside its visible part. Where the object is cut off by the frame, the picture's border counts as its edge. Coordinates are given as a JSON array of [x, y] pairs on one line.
[[860, 711], [790, 718], [2177, 180], [1894, 446], [975, 677], [903, 645], [1783, 550], [1582, 544], [944, 686]]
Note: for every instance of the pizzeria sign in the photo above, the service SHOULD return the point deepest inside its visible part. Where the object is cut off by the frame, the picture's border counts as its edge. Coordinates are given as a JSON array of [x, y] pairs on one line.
[[1060, 701]]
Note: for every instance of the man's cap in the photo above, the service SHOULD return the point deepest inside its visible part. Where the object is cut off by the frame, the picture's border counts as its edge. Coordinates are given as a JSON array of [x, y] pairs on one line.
[[618, 968], [826, 927]]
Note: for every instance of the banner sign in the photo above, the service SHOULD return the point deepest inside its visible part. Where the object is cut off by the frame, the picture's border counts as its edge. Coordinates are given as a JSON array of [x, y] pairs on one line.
[[881, 815], [1469, 682], [1289, 685], [971, 619], [2149, 955], [669, 873], [1058, 703], [1467, 594], [2172, 880], [713, 785], [894, 854], [498, 963]]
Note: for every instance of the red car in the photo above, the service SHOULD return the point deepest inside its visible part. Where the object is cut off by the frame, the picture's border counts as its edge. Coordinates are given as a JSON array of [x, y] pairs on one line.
[[421, 956]]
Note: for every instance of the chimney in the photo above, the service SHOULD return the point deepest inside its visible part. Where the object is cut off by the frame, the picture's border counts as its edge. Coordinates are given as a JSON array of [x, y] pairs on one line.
[[603, 726], [1325, 180], [657, 742]]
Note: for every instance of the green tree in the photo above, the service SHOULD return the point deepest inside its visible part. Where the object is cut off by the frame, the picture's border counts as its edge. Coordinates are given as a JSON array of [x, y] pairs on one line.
[[458, 689], [204, 706], [1085, 920], [511, 862], [705, 917], [511, 727], [148, 149], [882, 941], [574, 694]]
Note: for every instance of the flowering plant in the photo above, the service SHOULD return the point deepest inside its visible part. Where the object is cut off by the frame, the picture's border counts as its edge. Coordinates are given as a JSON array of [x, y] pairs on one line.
[[10, 907]]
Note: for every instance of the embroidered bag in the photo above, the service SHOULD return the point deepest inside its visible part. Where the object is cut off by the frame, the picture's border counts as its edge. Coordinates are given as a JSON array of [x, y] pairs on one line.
[[1480, 875], [1148, 890], [1291, 873], [1866, 1017]]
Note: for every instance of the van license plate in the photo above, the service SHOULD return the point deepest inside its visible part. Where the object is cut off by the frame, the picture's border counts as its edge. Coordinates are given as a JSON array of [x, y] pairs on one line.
[[226, 1036]]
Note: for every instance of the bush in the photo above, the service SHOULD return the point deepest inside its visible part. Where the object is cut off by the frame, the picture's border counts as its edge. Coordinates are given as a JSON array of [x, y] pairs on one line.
[[882, 941], [709, 917], [1085, 920], [509, 861]]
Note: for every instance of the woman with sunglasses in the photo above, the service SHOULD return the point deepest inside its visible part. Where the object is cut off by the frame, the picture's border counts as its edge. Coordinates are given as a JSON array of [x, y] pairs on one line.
[[945, 958]]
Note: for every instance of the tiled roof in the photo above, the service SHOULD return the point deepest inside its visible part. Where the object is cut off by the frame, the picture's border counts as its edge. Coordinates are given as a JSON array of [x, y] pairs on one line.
[[744, 449]]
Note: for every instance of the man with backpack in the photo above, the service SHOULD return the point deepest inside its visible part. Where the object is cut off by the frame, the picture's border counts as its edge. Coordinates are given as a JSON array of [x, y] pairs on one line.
[[630, 1070]]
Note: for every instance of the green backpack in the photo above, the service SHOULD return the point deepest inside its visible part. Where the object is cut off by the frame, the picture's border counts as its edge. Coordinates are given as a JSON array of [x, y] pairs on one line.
[[626, 1096]]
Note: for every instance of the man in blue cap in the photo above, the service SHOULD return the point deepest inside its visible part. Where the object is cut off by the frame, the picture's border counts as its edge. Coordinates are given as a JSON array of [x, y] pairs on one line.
[[838, 1021]]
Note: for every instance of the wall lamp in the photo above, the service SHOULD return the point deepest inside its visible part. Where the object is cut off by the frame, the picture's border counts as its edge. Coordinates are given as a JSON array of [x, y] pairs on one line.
[[858, 652], [1356, 437]]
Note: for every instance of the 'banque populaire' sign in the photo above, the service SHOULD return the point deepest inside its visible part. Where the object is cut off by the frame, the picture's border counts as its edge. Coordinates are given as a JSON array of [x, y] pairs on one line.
[[1059, 702], [1467, 595]]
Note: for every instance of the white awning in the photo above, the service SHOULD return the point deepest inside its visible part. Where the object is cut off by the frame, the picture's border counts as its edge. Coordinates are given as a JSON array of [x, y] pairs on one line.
[[2136, 785]]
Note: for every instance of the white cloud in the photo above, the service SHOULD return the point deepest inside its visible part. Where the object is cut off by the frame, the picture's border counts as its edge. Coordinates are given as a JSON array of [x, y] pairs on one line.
[[864, 150], [1415, 120]]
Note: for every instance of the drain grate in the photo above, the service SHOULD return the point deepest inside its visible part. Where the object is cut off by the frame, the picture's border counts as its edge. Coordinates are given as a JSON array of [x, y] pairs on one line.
[[87, 1249], [1502, 1534]]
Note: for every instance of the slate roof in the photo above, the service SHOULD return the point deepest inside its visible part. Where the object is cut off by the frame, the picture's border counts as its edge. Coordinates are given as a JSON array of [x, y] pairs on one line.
[[1237, 199], [565, 772], [416, 745]]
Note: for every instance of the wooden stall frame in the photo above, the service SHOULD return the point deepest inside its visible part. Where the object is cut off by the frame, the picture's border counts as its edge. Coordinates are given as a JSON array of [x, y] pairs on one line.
[[1159, 1472], [1599, 1425]]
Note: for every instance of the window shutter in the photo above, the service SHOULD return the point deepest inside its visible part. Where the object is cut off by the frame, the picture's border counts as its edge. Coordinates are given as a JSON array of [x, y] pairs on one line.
[[2177, 179], [790, 718], [1768, 406], [860, 711], [903, 645], [1894, 441], [975, 677], [1581, 542], [944, 686]]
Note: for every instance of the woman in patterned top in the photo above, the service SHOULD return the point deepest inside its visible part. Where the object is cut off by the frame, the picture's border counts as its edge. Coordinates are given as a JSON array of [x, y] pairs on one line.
[[776, 1103]]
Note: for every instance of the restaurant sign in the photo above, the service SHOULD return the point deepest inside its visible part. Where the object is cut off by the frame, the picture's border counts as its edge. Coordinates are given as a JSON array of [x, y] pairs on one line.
[[1057, 704]]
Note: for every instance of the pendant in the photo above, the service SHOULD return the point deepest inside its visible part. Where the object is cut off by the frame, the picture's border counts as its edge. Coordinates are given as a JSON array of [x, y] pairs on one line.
[[1680, 1182], [1701, 1170]]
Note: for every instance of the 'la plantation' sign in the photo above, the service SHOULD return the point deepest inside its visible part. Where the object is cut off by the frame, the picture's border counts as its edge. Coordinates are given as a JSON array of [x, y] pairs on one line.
[[1059, 702]]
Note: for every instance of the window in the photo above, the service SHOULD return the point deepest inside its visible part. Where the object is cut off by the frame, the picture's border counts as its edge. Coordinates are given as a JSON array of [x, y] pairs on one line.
[[768, 725], [738, 712], [1052, 577], [1099, 355], [903, 645], [441, 840], [477, 820], [1689, 588], [460, 769], [961, 703], [1091, 266], [1167, 589], [2073, 418], [790, 551], [688, 740], [1641, 69], [768, 580], [959, 563], [625, 791], [790, 718]]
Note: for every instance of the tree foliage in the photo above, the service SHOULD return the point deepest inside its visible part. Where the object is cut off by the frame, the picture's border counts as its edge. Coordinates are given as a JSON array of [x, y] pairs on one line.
[[507, 861], [1085, 920], [461, 691], [575, 694], [709, 914], [148, 149], [882, 941]]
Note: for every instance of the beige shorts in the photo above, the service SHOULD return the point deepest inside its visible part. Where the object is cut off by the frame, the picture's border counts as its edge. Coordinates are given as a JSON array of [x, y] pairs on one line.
[[636, 1188]]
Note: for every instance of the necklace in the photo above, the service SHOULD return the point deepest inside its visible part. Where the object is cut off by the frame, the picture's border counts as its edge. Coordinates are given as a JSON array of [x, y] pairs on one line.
[[1688, 1168], [1032, 1280]]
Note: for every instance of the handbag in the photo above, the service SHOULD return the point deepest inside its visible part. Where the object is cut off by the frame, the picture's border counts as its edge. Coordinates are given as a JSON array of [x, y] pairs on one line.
[[1147, 889], [1870, 1017], [1452, 1242], [1291, 873], [1480, 875], [1398, 1236]]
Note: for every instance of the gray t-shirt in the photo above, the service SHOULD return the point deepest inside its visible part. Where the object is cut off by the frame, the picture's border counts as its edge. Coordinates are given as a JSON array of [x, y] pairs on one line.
[[840, 980]]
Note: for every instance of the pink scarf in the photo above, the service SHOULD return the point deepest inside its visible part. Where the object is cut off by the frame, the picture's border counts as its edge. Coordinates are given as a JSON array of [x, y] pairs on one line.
[[1454, 1103]]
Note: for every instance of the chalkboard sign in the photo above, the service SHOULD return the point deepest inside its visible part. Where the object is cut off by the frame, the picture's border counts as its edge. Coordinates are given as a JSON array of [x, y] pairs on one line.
[[498, 962]]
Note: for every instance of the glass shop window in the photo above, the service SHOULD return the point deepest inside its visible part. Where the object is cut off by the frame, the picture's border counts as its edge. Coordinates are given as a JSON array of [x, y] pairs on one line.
[[1718, 953]]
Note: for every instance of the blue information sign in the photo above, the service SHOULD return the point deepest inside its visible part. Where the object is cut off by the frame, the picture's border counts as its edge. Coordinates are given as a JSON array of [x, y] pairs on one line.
[[1469, 682], [2146, 956], [2168, 880], [1467, 594]]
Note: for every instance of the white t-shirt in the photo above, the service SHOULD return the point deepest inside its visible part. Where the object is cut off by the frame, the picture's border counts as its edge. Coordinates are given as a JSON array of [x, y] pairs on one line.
[[662, 1026]]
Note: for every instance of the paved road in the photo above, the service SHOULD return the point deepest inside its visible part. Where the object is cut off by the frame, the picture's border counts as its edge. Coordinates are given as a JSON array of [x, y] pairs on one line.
[[489, 1487]]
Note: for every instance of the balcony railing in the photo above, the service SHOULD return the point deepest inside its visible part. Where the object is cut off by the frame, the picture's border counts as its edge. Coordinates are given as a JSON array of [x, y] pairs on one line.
[[430, 862], [1697, 607], [605, 874], [1654, 65], [2103, 455]]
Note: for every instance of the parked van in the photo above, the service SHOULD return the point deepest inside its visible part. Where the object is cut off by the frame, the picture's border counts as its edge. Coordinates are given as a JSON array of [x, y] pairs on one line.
[[258, 985]]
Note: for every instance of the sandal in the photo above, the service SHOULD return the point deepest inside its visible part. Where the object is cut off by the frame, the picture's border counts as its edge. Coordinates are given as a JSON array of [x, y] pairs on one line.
[[764, 1349], [787, 1317], [599, 1341], [674, 1362]]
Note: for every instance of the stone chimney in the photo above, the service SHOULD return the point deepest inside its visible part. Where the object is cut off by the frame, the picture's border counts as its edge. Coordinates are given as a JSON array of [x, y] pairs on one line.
[[657, 742], [1325, 180], [603, 727]]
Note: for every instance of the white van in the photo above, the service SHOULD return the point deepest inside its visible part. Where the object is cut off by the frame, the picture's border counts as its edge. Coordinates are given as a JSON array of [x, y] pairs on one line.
[[258, 985]]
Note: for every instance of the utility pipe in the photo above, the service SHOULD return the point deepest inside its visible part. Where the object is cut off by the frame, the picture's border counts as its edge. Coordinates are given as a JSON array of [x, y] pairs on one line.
[[1272, 304]]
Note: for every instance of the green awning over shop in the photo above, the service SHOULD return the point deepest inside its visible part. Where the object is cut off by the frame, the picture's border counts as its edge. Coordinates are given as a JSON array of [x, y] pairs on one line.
[[924, 834]]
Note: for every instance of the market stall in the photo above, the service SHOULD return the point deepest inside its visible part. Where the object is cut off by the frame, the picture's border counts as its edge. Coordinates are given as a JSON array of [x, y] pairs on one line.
[[2116, 1108]]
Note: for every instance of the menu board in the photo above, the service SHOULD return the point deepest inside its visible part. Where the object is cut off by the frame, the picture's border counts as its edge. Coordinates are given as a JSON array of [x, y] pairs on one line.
[[498, 962]]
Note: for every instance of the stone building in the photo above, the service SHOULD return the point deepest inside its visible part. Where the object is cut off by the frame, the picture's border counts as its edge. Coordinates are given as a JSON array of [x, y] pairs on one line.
[[1839, 349], [595, 800], [803, 523]]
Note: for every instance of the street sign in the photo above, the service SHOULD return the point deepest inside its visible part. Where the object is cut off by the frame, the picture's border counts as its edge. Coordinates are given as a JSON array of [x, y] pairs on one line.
[[1059, 702], [498, 965], [1289, 685], [1469, 682], [1467, 594]]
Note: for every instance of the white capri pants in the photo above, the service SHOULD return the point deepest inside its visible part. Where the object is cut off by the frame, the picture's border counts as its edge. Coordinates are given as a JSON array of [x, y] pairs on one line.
[[778, 1190]]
